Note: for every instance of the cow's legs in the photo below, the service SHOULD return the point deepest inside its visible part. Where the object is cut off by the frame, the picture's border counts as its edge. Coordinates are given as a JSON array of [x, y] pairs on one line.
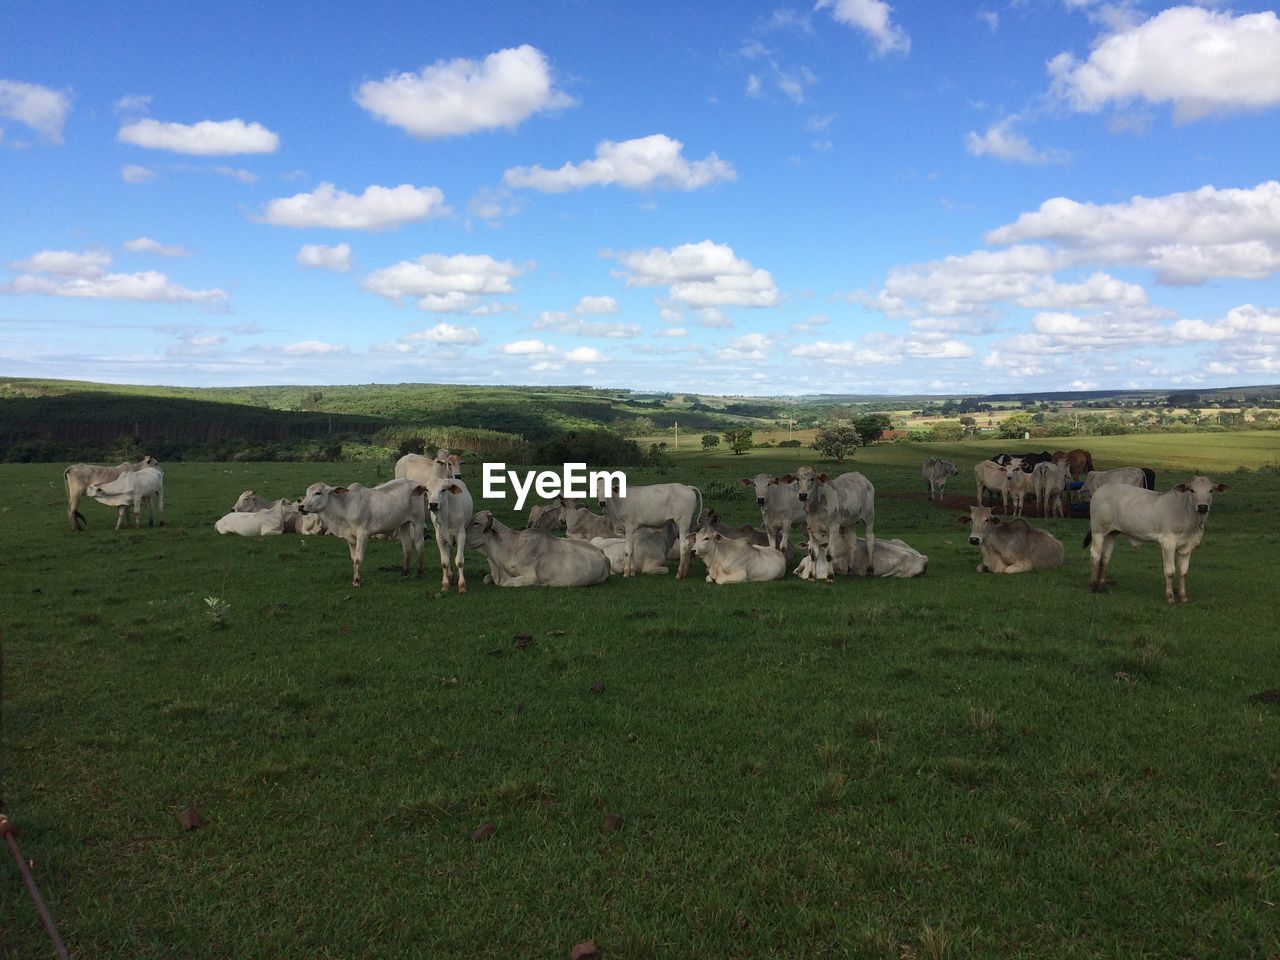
[[628, 551], [442, 546], [683, 525], [1168, 553], [355, 546], [1184, 563], [459, 561], [1100, 559]]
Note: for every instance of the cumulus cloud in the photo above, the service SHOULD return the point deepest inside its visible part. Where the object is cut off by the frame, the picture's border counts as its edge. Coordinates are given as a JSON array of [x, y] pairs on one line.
[[640, 164], [147, 245], [596, 306], [700, 275], [1201, 61], [312, 348], [447, 334], [752, 346], [40, 108], [884, 349], [316, 256], [206, 138], [872, 17], [445, 284], [586, 355], [1003, 143], [1242, 321], [65, 263], [575, 326], [132, 173], [460, 96], [378, 208], [527, 348]]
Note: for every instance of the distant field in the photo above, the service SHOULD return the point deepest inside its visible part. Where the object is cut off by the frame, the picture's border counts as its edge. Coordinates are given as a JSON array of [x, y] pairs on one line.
[[954, 766]]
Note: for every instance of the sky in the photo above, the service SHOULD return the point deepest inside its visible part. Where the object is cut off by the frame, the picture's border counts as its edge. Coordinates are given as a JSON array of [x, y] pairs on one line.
[[848, 196]]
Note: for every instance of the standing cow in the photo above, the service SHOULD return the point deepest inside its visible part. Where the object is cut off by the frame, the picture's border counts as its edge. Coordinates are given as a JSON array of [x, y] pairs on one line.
[[780, 507], [357, 513], [131, 488], [935, 472], [450, 507], [653, 506], [78, 476], [833, 506]]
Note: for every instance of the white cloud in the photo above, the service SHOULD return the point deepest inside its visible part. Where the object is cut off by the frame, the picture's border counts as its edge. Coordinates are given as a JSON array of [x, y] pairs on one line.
[[751, 346], [586, 355], [206, 138], [447, 334], [312, 348], [884, 349], [596, 306], [43, 110], [1003, 143], [526, 348], [494, 204], [147, 245], [455, 97], [700, 275], [236, 173], [67, 263], [573, 326], [378, 208], [1243, 321], [640, 164], [444, 284], [317, 256], [150, 287], [872, 17], [671, 332], [1200, 61], [133, 103], [132, 173]]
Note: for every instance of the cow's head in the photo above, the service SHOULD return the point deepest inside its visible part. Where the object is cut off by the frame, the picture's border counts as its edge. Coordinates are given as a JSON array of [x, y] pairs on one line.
[[606, 489], [807, 480], [704, 541], [761, 482], [1201, 491], [980, 521], [708, 518], [93, 490], [317, 497], [481, 527], [434, 489], [150, 461]]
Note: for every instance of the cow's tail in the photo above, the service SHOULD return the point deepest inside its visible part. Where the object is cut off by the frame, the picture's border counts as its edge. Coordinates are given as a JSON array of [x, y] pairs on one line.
[[1088, 539], [697, 513], [77, 517]]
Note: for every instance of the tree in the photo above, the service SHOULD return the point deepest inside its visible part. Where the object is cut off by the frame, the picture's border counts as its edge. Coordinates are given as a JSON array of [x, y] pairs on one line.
[[1015, 425], [835, 441], [739, 441], [871, 427], [710, 440]]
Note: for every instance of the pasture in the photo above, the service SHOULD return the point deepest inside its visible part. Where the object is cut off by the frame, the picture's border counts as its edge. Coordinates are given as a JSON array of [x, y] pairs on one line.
[[953, 766]]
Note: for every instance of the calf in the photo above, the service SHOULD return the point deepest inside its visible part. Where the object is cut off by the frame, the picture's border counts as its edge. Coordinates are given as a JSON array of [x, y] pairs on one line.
[[780, 507], [732, 560], [357, 512], [653, 506], [1017, 483], [1049, 480], [133, 486], [893, 559], [254, 523], [450, 507], [1175, 520], [527, 558], [294, 522], [935, 473], [1010, 547], [77, 478]]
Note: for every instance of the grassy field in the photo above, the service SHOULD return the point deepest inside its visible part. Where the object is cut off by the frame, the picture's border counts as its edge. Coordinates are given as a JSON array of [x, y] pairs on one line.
[[953, 766]]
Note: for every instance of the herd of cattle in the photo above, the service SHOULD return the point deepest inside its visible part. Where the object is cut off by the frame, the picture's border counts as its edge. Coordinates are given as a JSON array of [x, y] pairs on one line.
[[639, 533]]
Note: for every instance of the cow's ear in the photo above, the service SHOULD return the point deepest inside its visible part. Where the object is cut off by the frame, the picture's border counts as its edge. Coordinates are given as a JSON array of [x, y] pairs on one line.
[[418, 490], [823, 478], [338, 490], [454, 488], [787, 479], [747, 483], [1182, 488], [961, 519], [718, 538], [1222, 486], [996, 522]]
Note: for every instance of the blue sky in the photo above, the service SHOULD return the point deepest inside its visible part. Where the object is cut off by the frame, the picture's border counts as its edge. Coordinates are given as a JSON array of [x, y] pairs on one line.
[[852, 196]]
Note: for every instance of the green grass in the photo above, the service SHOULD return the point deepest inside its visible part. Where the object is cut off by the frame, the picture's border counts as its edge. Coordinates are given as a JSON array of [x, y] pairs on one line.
[[958, 765]]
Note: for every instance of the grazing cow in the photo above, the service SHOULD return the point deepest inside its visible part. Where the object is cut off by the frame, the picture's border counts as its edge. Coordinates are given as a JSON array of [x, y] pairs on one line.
[[529, 558], [990, 475], [256, 523], [780, 507], [1097, 479], [935, 473], [1079, 462], [450, 507], [581, 524], [132, 487], [653, 549], [731, 560], [1013, 546], [77, 477], [357, 512], [893, 558], [653, 506], [545, 517], [833, 507], [1175, 520], [294, 521], [445, 465], [1049, 480]]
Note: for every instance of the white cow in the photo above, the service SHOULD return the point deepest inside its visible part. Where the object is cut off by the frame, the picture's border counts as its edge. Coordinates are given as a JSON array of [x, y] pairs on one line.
[[653, 506], [708, 519], [294, 521], [935, 472], [652, 550], [78, 476], [731, 560], [780, 507], [1095, 480], [990, 476], [1049, 480], [834, 506], [1018, 482], [1012, 546], [528, 558], [581, 524], [256, 523], [1175, 520], [357, 512], [450, 506], [893, 558], [545, 517], [444, 465], [133, 486]]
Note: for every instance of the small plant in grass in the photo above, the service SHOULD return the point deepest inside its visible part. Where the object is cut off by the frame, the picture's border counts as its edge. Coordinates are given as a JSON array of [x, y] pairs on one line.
[[982, 721], [830, 789], [217, 609], [934, 944], [829, 754]]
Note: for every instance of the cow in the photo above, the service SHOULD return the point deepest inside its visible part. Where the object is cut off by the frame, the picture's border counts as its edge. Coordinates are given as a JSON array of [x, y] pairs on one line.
[[356, 513], [528, 558], [1012, 546], [256, 523], [450, 507], [833, 506], [132, 487], [732, 560], [653, 549], [545, 517], [893, 558], [1175, 520], [294, 522], [77, 477], [652, 506], [581, 524], [1029, 459], [1079, 462], [1017, 483], [414, 466], [935, 472], [708, 519], [990, 475], [780, 507], [1094, 481], [1049, 480]]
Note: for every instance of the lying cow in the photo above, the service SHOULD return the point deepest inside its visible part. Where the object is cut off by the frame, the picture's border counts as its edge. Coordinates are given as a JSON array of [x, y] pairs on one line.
[[256, 523], [731, 560], [708, 519], [294, 520], [77, 478], [545, 517], [1175, 520], [529, 558], [893, 558], [357, 512], [1013, 546], [935, 472], [652, 551], [581, 524], [131, 488]]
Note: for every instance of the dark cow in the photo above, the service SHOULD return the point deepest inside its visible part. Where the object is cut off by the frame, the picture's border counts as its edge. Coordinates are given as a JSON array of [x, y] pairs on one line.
[[1079, 462]]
